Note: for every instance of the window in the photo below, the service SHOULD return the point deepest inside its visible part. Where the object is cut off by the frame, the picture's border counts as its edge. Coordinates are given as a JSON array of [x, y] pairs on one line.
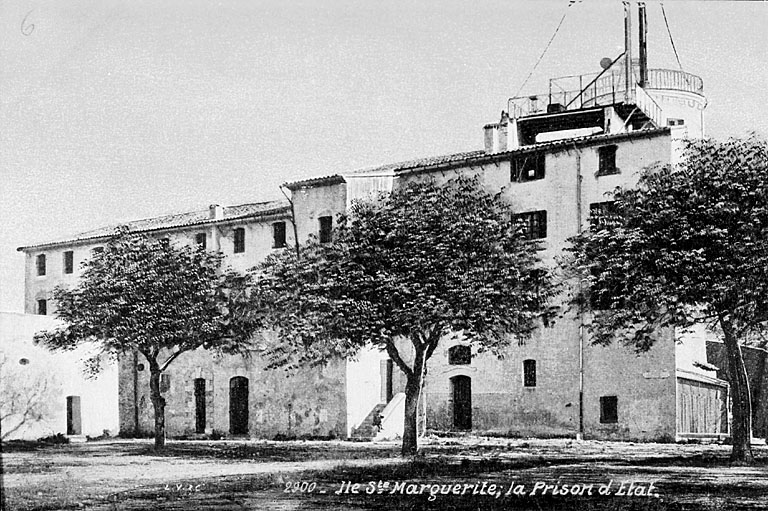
[[239, 240], [97, 250], [40, 263], [42, 307], [607, 159], [529, 373], [603, 214], [201, 239], [69, 261], [609, 410], [533, 225], [527, 167], [675, 122], [326, 226], [459, 355], [278, 235]]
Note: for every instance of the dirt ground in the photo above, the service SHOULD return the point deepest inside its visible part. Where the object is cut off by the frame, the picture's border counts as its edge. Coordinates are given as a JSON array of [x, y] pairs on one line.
[[466, 473]]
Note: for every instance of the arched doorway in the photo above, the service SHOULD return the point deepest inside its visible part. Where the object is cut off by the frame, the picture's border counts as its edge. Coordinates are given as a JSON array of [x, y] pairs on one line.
[[461, 387], [238, 405]]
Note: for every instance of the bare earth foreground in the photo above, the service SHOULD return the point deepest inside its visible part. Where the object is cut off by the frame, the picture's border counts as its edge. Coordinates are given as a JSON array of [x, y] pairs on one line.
[[467, 473]]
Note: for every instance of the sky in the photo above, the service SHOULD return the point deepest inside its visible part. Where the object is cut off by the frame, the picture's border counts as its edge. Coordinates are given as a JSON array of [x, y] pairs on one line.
[[118, 110]]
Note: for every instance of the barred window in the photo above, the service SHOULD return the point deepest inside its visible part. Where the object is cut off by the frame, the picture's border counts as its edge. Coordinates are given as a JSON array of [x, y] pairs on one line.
[[533, 225]]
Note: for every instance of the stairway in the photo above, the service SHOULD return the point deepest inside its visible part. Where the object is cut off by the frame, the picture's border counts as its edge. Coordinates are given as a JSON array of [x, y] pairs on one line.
[[367, 431]]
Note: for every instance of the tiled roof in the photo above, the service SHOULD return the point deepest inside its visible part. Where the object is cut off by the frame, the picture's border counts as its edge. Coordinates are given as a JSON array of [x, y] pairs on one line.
[[429, 161], [229, 213], [315, 181], [480, 156]]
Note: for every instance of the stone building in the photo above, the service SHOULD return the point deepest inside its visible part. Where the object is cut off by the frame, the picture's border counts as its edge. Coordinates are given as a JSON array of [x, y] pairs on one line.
[[553, 157]]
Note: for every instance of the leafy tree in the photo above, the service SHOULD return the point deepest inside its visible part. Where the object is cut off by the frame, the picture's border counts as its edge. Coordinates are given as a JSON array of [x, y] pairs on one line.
[[148, 295], [688, 245], [401, 274]]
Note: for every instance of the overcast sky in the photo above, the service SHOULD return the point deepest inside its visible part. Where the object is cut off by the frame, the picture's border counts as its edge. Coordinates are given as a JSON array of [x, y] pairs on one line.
[[119, 110]]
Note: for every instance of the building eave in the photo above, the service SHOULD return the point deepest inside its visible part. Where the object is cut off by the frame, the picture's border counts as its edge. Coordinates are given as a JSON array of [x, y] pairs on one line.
[[278, 211]]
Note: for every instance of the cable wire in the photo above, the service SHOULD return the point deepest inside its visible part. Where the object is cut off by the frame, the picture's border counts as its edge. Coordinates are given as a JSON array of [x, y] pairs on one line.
[[669, 32], [570, 3]]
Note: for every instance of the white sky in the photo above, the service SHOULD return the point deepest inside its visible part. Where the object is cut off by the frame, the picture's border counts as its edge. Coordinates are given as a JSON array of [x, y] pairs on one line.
[[118, 110]]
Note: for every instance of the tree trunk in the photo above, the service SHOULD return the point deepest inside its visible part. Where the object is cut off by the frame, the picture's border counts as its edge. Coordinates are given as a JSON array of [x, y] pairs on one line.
[[412, 392], [410, 432], [741, 428], [158, 402]]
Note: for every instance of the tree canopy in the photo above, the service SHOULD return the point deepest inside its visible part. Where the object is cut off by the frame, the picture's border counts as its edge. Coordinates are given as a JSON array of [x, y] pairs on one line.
[[145, 294], [688, 244], [416, 265]]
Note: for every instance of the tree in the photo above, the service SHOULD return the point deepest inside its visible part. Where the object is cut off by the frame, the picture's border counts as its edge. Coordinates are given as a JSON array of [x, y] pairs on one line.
[[688, 245], [401, 274], [27, 397], [148, 295]]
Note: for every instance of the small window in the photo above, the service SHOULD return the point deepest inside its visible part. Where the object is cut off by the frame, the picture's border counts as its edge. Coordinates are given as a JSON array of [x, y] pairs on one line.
[[42, 307], [609, 410], [326, 227], [532, 225], [459, 355], [528, 167], [607, 158], [201, 239], [239, 240], [603, 214], [278, 235], [40, 264], [675, 122], [97, 250], [529, 373], [165, 382], [23, 361], [69, 261]]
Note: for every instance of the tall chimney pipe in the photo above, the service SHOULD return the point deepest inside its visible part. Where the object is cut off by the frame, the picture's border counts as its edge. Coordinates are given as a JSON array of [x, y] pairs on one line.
[[627, 51], [643, 25]]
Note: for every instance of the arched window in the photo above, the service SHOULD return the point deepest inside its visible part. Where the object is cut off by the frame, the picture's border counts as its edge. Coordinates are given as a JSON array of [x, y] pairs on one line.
[[459, 355]]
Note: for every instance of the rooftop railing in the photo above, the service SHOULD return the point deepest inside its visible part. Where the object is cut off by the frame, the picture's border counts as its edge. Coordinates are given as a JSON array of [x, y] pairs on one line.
[[600, 89]]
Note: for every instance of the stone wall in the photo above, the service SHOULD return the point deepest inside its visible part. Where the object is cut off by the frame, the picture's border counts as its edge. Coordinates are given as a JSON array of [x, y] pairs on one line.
[[309, 404]]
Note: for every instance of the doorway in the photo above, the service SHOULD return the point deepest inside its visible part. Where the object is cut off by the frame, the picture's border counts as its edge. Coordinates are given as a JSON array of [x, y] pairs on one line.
[[462, 402], [199, 405], [238, 405], [74, 420]]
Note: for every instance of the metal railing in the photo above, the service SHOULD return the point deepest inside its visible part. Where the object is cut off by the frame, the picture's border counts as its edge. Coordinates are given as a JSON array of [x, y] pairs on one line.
[[601, 89]]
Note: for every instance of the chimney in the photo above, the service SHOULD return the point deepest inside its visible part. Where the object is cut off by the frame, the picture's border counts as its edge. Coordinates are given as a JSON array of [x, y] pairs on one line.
[[215, 212], [496, 135]]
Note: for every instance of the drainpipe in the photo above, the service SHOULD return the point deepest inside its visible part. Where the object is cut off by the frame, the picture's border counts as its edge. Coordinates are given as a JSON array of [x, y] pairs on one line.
[[136, 429], [293, 222], [580, 433]]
